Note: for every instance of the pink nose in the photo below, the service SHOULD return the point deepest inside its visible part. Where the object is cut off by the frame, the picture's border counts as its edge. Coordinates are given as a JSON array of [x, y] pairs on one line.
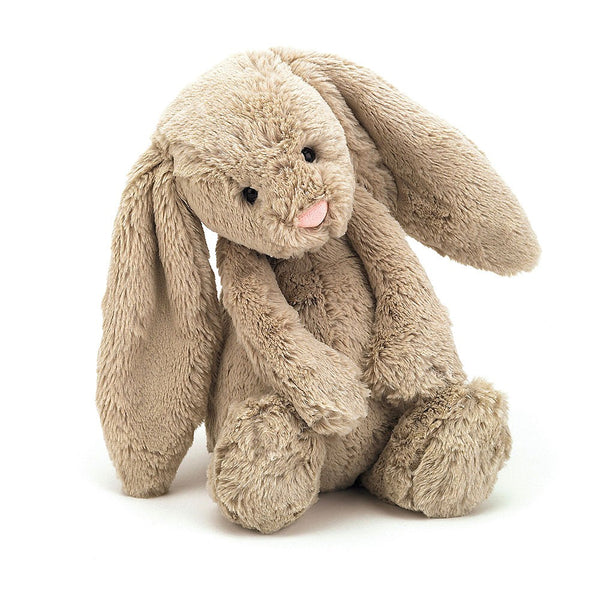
[[313, 216]]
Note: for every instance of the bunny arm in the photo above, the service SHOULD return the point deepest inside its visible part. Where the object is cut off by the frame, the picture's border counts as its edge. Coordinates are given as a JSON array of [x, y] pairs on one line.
[[322, 384], [412, 351]]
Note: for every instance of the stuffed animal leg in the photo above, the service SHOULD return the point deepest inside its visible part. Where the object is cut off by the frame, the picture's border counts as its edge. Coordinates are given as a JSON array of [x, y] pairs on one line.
[[445, 453], [266, 466]]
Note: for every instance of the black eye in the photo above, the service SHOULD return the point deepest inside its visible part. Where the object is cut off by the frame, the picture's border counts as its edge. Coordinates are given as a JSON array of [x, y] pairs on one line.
[[250, 195], [309, 154]]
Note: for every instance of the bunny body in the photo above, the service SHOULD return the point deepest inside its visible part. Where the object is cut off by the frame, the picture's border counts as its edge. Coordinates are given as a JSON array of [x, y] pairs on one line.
[[329, 358], [319, 286]]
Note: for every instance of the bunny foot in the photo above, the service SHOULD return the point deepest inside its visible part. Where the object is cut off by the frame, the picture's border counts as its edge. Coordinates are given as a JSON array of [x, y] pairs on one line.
[[266, 467], [444, 455], [146, 476]]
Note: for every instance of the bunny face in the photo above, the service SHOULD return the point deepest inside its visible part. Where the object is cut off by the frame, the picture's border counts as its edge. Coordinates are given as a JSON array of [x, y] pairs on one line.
[[260, 158]]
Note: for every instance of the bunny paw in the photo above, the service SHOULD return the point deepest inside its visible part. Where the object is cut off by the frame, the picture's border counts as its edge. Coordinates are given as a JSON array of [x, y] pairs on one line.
[[145, 473], [333, 399], [266, 467], [444, 455], [403, 369]]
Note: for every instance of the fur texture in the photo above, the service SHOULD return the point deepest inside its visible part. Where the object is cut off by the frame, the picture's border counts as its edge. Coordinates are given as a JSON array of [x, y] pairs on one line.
[[330, 358], [443, 456]]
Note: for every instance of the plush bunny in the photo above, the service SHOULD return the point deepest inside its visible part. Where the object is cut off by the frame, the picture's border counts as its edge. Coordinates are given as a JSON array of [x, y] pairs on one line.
[[329, 359]]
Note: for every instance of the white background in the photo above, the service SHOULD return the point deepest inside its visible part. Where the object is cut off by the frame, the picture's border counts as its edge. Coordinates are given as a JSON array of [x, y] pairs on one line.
[[82, 88]]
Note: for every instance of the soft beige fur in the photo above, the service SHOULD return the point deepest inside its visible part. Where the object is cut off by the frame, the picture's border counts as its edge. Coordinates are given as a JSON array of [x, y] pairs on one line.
[[330, 358]]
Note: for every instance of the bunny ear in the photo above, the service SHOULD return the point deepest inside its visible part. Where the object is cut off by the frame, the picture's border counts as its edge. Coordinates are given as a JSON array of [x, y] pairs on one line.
[[162, 331], [449, 197]]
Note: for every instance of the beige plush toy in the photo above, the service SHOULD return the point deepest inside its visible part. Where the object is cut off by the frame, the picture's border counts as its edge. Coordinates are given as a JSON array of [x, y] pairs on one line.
[[329, 359]]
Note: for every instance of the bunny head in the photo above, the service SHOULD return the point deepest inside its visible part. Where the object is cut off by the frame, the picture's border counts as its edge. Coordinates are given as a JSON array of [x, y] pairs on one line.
[[267, 149], [260, 157]]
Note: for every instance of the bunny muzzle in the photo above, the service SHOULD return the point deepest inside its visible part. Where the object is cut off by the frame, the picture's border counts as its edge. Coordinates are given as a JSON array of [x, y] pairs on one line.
[[314, 215]]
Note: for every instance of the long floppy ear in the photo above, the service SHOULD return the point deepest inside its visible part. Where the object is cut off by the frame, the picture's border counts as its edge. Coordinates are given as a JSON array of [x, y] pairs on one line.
[[449, 197], [162, 331]]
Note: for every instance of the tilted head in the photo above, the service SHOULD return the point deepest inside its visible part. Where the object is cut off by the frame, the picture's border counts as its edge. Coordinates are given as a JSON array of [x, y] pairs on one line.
[[260, 157]]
